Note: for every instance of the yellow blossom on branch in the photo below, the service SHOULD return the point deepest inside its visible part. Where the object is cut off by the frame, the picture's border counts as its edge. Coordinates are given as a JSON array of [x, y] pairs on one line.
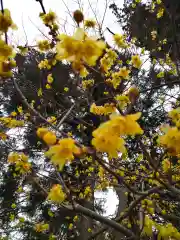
[[6, 51], [44, 45], [122, 100], [166, 165], [21, 162], [124, 73], [56, 194], [136, 61], [48, 136], [50, 78], [63, 152], [79, 48], [48, 18], [89, 23], [160, 12], [120, 40], [107, 137], [102, 110], [6, 21], [41, 227], [44, 64], [87, 83], [171, 140]]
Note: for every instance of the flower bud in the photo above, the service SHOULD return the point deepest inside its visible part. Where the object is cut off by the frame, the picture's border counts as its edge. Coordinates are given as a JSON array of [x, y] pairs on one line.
[[78, 16]]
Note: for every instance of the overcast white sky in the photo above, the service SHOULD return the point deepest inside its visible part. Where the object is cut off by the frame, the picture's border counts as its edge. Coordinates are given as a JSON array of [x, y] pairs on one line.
[[25, 14]]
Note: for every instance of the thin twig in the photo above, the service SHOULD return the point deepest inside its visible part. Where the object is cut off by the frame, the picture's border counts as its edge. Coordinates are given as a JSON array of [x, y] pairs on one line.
[[65, 116]]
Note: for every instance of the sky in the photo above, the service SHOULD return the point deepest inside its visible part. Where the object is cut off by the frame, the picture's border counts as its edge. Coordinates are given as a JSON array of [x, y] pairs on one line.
[[25, 14]]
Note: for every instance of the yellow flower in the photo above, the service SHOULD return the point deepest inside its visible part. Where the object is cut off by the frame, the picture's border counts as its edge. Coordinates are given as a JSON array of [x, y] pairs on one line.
[[109, 108], [120, 40], [44, 64], [102, 110], [98, 110], [6, 67], [41, 132], [160, 75], [87, 83], [40, 227], [48, 18], [116, 79], [174, 115], [6, 21], [13, 114], [75, 218], [122, 100], [107, 135], [154, 34], [136, 62], [66, 89], [166, 165], [21, 162], [3, 136], [62, 152], [52, 120], [70, 226], [39, 93], [13, 205], [171, 140], [48, 86], [49, 138], [106, 142], [50, 78], [22, 50], [44, 45], [124, 73], [20, 110], [6, 51], [79, 48], [56, 194], [90, 23], [160, 12]]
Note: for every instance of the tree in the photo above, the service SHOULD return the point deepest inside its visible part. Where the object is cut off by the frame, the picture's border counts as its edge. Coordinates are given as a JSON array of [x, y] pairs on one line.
[[89, 123]]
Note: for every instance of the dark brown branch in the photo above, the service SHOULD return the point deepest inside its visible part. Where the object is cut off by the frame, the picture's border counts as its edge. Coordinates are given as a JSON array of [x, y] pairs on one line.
[[42, 5]]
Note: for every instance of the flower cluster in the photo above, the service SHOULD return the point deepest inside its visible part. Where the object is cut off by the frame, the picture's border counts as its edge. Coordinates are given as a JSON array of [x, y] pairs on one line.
[[49, 18], [11, 123], [79, 49], [120, 41], [6, 21], [107, 109], [56, 194], [44, 45], [108, 136], [21, 162], [108, 60], [122, 101], [87, 83], [41, 227], [48, 136], [63, 152], [6, 59]]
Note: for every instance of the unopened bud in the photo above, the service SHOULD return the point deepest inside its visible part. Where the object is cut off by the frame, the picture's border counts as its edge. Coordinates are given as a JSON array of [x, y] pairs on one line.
[[133, 94], [78, 16]]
